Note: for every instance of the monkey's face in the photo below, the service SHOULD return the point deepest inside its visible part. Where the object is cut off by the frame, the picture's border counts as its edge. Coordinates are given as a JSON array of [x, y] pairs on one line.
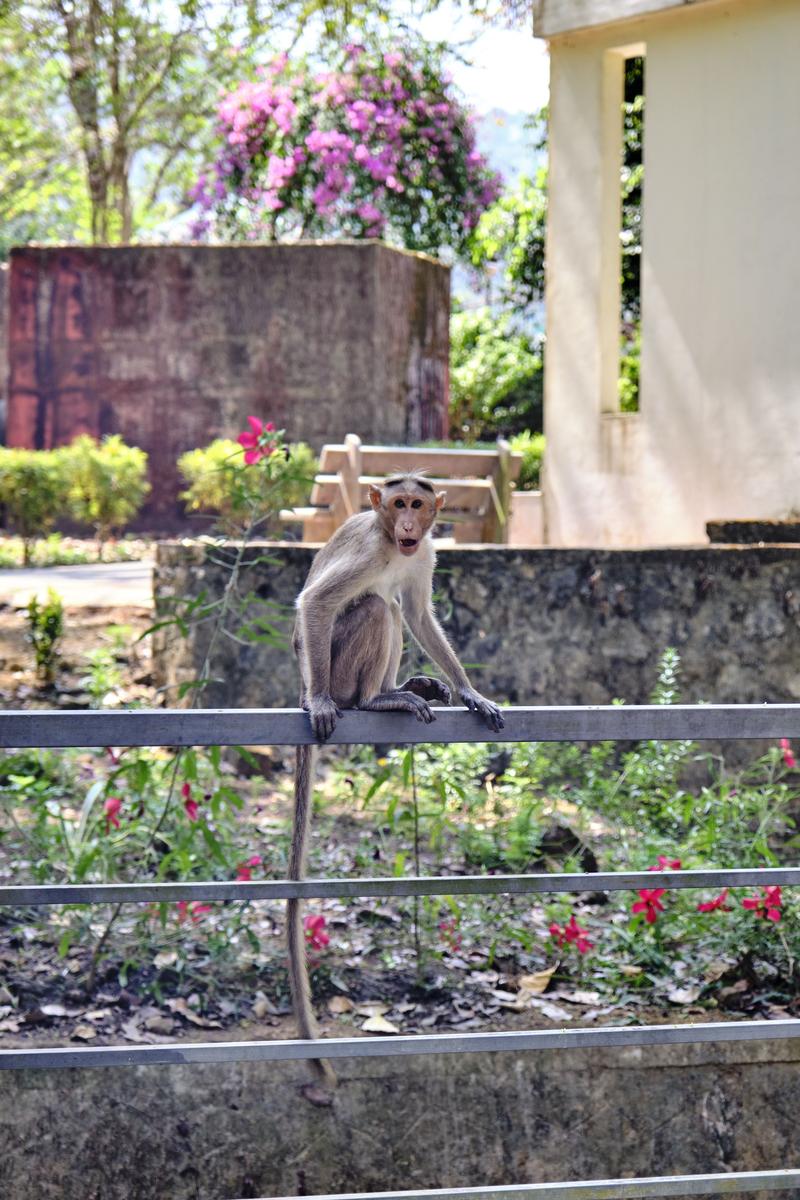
[[407, 514]]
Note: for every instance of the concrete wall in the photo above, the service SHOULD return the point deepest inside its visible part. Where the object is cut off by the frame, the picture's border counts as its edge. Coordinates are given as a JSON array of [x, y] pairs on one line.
[[172, 346], [543, 626], [242, 1129], [717, 435]]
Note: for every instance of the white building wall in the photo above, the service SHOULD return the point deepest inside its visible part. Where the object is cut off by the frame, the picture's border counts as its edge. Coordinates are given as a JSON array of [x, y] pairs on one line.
[[718, 432]]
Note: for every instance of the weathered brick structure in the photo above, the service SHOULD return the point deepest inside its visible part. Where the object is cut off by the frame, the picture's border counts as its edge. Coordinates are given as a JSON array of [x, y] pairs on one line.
[[172, 346]]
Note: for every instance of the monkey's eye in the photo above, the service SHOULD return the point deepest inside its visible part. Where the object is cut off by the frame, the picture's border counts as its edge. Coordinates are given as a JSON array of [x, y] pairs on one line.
[[399, 503], [416, 504]]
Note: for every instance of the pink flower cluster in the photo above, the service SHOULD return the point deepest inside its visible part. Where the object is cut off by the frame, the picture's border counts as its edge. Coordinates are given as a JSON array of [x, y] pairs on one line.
[[377, 146]]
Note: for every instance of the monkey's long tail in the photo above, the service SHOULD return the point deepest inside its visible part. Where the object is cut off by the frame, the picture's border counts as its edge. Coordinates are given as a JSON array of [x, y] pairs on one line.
[[298, 963]]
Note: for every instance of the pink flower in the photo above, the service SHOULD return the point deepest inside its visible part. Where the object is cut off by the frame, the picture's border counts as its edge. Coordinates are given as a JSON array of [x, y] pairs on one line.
[[190, 806], [571, 934], [666, 864], [767, 906], [255, 440], [195, 910], [314, 927], [111, 808], [786, 748], [717, 902], [649, 903]]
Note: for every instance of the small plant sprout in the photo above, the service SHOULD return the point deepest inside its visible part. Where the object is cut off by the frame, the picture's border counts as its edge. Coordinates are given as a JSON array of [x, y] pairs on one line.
[[45, 630]]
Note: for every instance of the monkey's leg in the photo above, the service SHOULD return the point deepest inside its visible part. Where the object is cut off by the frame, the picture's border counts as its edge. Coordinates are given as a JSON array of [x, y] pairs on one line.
[[361, 649], [399, 702], [428, 688]]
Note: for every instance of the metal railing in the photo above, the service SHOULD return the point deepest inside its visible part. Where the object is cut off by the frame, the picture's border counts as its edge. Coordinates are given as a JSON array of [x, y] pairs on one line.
[[287, 727]]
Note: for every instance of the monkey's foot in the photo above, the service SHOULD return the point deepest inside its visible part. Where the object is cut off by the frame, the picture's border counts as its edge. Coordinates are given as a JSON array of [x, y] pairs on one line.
[[317, 1095], [427, 688], [324, 713], [487, 709], [400, 702]]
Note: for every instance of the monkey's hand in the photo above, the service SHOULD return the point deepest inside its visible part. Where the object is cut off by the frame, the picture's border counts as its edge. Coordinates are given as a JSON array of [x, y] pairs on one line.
[[487, 709], [323, 712], [427, 688]]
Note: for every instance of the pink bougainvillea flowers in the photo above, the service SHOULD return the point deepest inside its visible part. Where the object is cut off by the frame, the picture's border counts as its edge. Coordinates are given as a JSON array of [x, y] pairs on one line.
[[717, 903], [190, 805], [767, 905], [666, 864], [314, 927], [649, 903], [111, 808], [571, 934], [786, 750], [256, 440]]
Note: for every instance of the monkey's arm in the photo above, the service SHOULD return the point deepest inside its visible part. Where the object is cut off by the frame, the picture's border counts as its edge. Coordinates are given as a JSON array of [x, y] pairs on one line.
[[421, 620]]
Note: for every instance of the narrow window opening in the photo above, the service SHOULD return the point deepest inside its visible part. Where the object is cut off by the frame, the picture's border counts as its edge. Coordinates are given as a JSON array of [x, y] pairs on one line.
[[630, 233]]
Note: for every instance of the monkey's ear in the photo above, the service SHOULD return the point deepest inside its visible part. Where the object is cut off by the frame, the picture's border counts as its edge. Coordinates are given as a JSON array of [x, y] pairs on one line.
[[375, 497], [440, 499]]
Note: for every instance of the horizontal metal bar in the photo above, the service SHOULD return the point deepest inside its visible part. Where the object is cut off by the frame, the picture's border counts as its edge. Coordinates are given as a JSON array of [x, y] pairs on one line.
[[602, 1189], [177, 1053], [290, 727], [439, 885]]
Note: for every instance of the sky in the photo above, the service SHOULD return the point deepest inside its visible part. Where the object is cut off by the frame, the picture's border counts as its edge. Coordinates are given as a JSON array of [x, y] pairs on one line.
[[510, 68]]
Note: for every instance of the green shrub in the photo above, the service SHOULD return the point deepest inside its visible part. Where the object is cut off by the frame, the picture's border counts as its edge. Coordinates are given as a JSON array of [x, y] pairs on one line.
[[219, 482], [107, 483], [33, 490], [45, 630], [495, 377], [531, 447]]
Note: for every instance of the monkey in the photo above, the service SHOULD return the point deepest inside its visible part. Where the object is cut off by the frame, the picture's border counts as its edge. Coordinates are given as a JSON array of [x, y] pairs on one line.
[[374, 574]]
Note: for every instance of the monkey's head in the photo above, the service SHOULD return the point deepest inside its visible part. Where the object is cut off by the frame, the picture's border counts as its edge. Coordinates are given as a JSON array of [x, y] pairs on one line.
[[406, 506]]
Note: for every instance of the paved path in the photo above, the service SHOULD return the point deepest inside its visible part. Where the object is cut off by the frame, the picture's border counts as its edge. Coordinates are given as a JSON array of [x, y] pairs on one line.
[[95, 585]]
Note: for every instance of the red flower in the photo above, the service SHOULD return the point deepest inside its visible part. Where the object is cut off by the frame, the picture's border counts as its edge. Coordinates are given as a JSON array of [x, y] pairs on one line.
[[717, 902], [768, 905], [571, 933], [450, 934], [649, 903], [190, 806], [195, 910], [111, 808], [314, 927], [255, 441], [786, 748], [666, 864], [243, 871]]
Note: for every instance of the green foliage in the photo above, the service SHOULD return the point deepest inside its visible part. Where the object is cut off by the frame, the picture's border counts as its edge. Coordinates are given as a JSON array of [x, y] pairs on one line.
[[629, 365], [127, 815], [33, 491], [531, 447], [219, 482], [495, 377], [58, 551], [496, 809], [45, 630], [107, 483], [509, 241]]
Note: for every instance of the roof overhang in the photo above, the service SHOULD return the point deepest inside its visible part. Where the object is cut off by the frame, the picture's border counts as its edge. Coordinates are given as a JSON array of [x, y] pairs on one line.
[[554, 17]]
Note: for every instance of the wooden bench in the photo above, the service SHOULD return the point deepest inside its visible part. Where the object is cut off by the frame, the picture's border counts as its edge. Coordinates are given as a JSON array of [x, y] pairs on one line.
[[478, 484]]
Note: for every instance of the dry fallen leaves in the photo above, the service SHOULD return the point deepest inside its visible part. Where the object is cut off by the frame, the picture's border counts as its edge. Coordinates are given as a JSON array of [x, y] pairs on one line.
[[339, 1004], [379, 1024]]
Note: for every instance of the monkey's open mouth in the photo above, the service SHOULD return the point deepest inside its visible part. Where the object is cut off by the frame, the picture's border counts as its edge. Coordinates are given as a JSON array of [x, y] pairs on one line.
[[407, 545]]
